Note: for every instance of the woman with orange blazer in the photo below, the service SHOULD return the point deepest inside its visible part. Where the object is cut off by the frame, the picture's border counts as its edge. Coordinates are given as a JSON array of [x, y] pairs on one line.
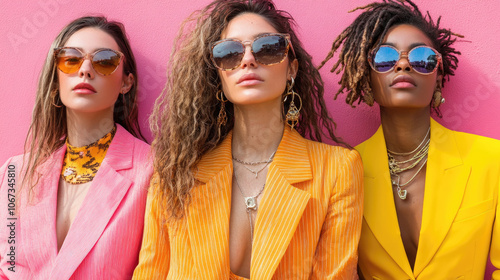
[[238, 192], [75, 201], [431, 193]]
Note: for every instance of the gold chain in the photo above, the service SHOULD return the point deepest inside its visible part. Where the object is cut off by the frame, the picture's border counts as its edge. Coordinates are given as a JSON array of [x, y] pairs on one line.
[[419, 156]]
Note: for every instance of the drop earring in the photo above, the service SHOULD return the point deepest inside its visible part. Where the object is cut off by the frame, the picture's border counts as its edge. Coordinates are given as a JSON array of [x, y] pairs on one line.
[[293, 113], [437, 98], [222, 118]]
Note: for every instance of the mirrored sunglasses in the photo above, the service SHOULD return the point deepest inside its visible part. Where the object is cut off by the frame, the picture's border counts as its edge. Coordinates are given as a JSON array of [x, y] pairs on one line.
[[267, 49], [423, 59]]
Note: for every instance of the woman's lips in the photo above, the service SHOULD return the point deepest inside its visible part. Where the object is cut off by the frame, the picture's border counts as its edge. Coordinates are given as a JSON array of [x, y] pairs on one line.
[[249, 79], [403, 81], [84, 88]]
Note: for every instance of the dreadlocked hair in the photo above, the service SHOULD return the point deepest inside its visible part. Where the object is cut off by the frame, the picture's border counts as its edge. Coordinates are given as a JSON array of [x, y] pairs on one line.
[[184, 119], [367, 33]]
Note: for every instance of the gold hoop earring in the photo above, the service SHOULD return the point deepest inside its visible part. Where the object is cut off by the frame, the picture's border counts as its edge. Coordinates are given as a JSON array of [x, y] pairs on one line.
[[222, 118], [293, 113], [54, 94], [437, 98]]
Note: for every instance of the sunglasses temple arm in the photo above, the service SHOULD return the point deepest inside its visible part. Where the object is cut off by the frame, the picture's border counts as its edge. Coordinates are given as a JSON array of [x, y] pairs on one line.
[[291, 47]]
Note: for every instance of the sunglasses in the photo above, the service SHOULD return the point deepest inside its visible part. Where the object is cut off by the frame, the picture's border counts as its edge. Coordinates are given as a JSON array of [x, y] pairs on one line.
[[267, 49], [422, 59], [104, 61]]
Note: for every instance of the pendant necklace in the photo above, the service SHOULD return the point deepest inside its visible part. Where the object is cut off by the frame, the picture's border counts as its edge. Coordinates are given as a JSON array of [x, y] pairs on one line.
[[402, 193], [419, 157], [250, 203]]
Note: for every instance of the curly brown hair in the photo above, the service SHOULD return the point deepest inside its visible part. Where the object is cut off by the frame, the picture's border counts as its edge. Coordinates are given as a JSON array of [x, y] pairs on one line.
[[367, 32], [184, 120]]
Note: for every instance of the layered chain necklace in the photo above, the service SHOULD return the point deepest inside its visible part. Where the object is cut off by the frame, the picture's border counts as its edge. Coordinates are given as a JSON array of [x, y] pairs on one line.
[[419, 156], [255, 172], [251, 201]]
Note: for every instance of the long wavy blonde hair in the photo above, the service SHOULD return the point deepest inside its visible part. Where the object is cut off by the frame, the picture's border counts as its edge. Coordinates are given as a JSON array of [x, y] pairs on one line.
[[48, 129], [184, 120]]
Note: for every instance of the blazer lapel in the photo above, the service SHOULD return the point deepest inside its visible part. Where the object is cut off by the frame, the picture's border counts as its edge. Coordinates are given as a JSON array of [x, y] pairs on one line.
[[104, 196], [380, 210], [38, 216], [209, 213], [282, 205], [445, 183]]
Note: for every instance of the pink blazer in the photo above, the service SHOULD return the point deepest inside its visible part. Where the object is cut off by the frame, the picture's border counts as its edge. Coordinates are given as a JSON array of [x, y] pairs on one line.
[[105, 237]]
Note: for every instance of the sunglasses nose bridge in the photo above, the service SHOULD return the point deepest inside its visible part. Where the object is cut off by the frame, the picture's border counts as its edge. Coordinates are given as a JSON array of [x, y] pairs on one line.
[[247, 45], [88, 56], [403, 54], [403, 62], [248, 55], [86, 66]]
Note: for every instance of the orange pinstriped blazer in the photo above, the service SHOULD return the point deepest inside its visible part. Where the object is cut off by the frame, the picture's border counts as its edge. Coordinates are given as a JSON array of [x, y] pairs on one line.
[[307, 227]]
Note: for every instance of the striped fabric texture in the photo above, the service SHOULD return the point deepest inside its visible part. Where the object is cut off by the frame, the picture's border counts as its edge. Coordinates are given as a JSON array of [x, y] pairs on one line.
[[104, 239], [307, 227]]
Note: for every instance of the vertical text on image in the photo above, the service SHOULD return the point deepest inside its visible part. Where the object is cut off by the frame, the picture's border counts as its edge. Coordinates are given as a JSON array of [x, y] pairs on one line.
[[11, 217]]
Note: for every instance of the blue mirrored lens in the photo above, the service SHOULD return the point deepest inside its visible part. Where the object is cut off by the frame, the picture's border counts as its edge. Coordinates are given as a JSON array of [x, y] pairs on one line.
[[423, 59], [385, 58]]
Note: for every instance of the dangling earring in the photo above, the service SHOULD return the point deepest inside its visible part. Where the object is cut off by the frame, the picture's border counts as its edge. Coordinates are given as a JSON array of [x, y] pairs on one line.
[[222, 118], [53, 95], [437, 98], [293, 113]]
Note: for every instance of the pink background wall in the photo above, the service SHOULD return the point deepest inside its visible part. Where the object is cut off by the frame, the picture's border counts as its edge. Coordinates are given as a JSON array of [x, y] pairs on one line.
[[28, 28]]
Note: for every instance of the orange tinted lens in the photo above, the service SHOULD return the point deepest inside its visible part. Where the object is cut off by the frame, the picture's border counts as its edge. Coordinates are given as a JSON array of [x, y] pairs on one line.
[[105, 62], [69, 60]]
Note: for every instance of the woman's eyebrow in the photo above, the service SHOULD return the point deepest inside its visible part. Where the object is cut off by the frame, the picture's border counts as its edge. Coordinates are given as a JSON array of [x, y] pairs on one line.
[[411, 46]]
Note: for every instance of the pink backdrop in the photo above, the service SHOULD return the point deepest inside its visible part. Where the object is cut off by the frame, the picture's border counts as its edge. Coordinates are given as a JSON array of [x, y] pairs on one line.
[[28, 28]]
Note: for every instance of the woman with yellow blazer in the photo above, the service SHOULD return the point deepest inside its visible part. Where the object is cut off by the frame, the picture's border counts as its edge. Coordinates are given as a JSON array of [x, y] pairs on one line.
[[431, 193], [238, 192]]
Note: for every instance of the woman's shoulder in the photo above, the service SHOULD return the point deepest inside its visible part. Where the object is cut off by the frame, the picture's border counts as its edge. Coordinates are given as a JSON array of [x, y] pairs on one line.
[[14, 162], [125, 140], [477, 146], [141, 146], [12, 166], [329, 152], [464, 137]]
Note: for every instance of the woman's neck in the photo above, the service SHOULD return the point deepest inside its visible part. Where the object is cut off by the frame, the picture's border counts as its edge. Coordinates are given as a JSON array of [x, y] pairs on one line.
[[257, 132], [404, 129], [85, 128]]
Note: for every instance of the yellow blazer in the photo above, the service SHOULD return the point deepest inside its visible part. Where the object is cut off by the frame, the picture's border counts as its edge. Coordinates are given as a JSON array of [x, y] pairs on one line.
[[307, 226], [458, 219]]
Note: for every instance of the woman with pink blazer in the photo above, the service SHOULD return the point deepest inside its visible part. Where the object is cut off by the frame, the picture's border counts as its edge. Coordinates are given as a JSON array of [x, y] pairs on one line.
[[74, 202]]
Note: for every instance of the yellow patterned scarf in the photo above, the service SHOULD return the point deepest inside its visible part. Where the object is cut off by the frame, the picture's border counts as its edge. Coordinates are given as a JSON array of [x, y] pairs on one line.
[[81, 163]]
